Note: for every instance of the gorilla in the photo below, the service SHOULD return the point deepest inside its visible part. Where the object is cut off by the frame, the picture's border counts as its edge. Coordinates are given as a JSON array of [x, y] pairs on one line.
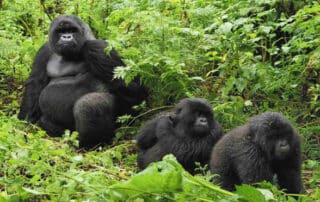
[[265, 147], [71, 85], [188, 132]]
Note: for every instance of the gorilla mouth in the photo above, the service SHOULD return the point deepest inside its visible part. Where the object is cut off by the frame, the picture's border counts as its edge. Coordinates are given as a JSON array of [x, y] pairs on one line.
[[67, 48], [280, 155], [201, 130], [69, 45]]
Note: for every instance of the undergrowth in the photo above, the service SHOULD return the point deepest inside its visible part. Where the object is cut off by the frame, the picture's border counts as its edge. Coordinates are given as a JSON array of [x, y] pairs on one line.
[[244, 56]]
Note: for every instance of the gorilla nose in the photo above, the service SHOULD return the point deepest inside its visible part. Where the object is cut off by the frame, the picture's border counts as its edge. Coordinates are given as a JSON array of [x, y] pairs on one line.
[[283, 143], [66, 37], [203, 121]]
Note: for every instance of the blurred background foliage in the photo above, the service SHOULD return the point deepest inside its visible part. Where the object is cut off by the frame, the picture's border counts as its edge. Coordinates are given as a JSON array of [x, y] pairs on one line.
[[244, 56]]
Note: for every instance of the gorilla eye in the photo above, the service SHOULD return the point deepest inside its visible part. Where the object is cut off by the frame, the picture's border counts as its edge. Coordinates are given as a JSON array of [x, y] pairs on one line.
[[70, 30], [67, 30], [203, 114]]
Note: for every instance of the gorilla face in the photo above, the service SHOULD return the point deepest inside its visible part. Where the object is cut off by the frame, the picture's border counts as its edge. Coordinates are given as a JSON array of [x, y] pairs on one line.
[[281, 142], [201, 124], [281, 149], [273, 134], [194, 116], [67, 36]]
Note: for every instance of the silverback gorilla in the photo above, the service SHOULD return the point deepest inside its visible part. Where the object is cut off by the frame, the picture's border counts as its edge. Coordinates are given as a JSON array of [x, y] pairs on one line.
[[71, 85], [188, 132], [266, 146]]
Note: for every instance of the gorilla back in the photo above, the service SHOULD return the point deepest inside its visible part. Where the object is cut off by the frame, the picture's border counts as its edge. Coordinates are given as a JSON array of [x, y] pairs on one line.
[[71, 85]]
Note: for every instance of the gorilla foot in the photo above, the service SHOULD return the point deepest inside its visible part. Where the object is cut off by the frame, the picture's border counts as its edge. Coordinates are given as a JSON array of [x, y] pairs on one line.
[[52, 129]]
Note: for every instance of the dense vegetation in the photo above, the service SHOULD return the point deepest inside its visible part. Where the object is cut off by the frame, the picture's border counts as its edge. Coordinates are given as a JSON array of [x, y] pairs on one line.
[[244, 56]]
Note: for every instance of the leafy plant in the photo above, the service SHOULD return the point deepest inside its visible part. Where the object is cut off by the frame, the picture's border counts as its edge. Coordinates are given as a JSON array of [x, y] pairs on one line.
[[245, 57]]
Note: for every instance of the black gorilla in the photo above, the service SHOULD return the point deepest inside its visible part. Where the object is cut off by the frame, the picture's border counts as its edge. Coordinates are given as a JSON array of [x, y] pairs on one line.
[[266, 146], [71, 85], [188, 132]]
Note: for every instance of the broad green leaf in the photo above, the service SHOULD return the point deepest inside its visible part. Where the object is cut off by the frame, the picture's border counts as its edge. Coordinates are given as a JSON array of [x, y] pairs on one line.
[[159, 177], [250, 193]]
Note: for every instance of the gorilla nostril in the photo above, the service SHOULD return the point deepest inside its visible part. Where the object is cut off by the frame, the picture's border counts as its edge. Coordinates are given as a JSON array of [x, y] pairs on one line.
[[283, 143], [66, 37], [203, 120]]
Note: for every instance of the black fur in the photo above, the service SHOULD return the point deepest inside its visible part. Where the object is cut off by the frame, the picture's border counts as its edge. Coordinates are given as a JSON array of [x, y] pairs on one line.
[[188, 132], [71, 85], [264, 147]]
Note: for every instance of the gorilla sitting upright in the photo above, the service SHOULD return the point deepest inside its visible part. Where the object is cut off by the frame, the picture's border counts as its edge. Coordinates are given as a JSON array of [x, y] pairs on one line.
[[188, 132], [71, 85]]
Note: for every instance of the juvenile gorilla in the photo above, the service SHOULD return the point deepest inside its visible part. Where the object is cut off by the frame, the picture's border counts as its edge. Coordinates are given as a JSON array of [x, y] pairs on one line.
[[71, 85], [188, 132], [266, 146]]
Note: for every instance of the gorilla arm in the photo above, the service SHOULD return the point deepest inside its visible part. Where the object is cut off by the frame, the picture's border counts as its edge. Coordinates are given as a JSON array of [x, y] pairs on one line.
[[217, 131], [289, 171], [254, 169], [102, 65], [37, 80], [147, 136]]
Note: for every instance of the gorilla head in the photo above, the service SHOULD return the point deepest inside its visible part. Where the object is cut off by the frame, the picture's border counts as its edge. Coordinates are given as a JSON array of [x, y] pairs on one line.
[[264, 147], [273, 133], [193, 117], [68, 34]]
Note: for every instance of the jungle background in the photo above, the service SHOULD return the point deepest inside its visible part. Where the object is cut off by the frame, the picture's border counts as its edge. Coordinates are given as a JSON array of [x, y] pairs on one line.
[[244, 56]]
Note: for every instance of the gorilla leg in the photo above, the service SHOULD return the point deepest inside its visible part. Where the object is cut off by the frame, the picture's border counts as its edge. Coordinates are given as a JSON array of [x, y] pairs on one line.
[[52, 129], [153, 154], [226, 178], [94, 119]]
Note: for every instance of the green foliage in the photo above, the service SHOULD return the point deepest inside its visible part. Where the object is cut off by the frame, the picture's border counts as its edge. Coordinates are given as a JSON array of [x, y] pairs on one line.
[[244, 56], [166, 181], [37, 167], [315, 178]]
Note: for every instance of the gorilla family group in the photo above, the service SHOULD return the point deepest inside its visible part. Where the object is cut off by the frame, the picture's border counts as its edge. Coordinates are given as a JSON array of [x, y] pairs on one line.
[[71, 86]]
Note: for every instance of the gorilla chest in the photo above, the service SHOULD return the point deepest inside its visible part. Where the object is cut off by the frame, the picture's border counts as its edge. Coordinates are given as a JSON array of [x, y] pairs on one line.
[[65, 91], [69, 81], [58, 67], [189, 149]]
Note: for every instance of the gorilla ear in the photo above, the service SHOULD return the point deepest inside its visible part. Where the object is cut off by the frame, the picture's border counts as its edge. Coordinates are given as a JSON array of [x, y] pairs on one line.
[[172, 118], [251, 135]]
